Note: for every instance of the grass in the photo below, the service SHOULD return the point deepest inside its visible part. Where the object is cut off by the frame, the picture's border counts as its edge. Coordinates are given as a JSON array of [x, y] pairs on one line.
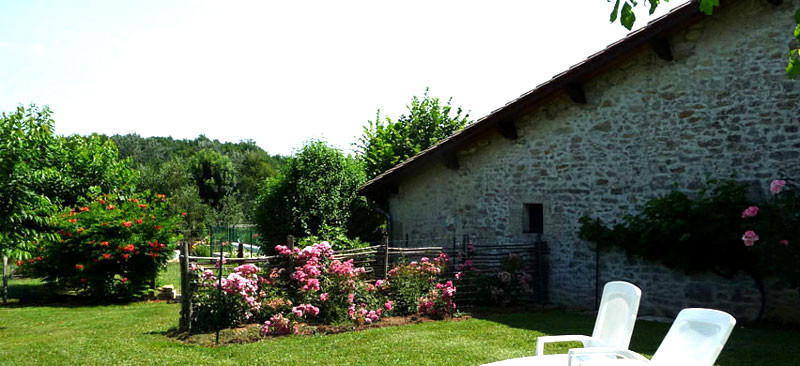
[[171, 276], [134, 334]]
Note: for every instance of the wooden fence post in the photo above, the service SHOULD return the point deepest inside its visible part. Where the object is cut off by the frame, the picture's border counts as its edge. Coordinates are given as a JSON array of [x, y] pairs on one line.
[[290, 242], [5, 279], [385, 257], [240, 254], [185, 323]]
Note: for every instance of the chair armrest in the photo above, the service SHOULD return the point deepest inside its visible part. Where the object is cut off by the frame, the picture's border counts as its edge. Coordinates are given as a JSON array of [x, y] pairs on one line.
[[560, 338], [609, 352]]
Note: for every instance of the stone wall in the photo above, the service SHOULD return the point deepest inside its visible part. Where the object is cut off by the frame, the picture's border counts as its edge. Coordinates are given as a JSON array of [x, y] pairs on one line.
[[723, 108]]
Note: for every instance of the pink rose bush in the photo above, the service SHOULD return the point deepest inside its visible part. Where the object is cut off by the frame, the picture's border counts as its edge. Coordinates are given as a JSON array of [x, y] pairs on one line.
[[408, 284], [311, 286], [512, 284]]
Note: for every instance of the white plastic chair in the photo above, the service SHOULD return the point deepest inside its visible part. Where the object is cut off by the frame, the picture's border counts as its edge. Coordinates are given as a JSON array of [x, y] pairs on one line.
[[695, 338], [615, 319]]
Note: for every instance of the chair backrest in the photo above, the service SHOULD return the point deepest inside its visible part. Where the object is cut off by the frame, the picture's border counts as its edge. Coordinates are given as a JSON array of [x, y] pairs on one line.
[[695, 338], [616, 316]]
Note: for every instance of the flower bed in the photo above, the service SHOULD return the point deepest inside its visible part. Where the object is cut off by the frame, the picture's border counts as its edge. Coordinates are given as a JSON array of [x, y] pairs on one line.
[[310, 288]]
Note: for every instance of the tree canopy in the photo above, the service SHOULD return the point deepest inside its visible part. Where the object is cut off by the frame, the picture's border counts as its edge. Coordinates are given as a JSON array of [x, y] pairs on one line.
[[314, 193], [385, 143], [44, 172]]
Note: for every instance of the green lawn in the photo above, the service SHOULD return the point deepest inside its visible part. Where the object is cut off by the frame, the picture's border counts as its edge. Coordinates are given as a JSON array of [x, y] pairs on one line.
[[134, 334]]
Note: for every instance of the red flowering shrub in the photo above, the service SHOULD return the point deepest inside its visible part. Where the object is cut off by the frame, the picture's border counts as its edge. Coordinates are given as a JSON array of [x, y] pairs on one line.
[[109, 246]]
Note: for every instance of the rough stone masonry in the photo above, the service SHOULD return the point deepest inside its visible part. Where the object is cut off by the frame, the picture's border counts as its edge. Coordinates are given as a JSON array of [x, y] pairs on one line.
[[723, 108]]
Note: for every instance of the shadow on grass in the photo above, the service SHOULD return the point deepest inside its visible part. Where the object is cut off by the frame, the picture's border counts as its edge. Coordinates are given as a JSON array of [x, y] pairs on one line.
[[27, 292]]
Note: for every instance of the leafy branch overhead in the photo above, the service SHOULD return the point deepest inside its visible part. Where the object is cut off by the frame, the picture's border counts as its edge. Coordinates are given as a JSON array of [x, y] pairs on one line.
[[627, 18], [793, 69]]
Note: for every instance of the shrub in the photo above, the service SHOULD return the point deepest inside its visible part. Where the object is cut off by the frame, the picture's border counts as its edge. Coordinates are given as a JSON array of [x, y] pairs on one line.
[[336, 236], [408, 282], [111, 246], [720, 230], [315, 189], [239, 301], [310, 286]]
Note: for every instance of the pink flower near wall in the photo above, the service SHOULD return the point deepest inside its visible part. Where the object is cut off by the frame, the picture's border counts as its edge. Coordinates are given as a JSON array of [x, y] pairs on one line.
[[751, 211], [749, 238], [776, 186]]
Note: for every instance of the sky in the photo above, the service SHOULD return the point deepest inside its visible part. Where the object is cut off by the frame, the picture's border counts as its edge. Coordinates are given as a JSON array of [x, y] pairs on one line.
[[281, 73]]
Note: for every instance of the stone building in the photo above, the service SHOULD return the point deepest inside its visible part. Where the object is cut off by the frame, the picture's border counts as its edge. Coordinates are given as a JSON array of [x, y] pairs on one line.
[[687, 98]]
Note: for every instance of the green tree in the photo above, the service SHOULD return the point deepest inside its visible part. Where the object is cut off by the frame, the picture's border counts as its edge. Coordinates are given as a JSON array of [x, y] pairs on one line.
[[214, 175], [77, 163], [26, 138], [627, 18], [315, 191], [385, 143], [253, 168]]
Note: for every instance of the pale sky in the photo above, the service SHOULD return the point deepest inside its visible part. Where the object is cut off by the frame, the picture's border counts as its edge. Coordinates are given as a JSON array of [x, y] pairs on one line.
[[281, 73]]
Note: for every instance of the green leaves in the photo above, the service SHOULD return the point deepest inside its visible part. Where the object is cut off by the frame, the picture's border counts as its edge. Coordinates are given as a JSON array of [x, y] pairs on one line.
[[627, 17], [615, 12], [654, 5], [707, 6], [793, 69], [386, 143]]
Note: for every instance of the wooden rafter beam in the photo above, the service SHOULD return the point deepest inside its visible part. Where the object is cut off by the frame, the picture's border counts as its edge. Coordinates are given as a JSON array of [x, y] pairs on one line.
[[576, 93], [451, 160], [661, 47], [508, 129]]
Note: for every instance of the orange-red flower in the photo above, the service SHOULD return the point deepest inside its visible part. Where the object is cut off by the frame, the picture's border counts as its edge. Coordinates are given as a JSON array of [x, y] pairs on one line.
[[73, 220], [124, 279], [103, 243], [102, 201], [79, 266], [157, 227], [125, 256], [127, 224], [19, 263], [183, 213], [106, 256], [142, 205], [83, 280], [84, 209], [80, 230], [138, 221], [110, 207]]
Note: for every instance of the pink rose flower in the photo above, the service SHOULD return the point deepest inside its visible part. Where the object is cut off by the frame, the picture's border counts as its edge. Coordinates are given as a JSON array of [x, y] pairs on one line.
[[776, 186], [751, 211], [784, 242], [749, 238], [323, 297]]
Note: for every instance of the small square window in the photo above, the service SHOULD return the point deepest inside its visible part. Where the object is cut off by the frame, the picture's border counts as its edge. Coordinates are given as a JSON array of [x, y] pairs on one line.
[[534, 218]]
